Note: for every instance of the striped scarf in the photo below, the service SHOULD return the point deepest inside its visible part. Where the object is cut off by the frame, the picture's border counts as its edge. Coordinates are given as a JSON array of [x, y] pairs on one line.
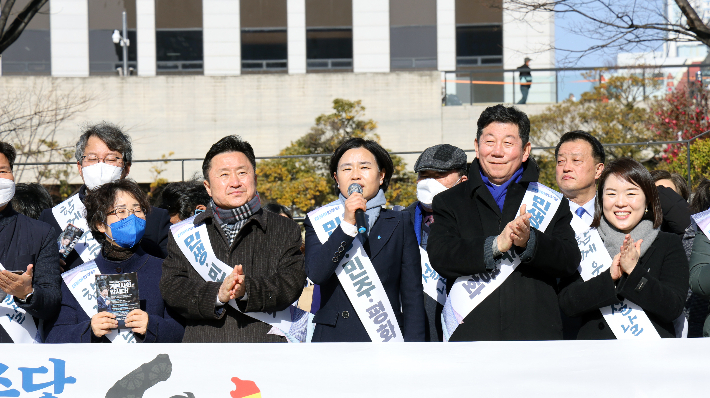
[[232, 220]]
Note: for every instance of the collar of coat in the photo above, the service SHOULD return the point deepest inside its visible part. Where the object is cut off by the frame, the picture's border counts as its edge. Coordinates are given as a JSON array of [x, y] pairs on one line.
[[531, 173], [208, 216]]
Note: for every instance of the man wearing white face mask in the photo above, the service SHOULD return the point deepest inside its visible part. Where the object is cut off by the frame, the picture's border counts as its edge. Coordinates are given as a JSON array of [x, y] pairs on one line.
[[438, 168], [29, 269], [103, 155]]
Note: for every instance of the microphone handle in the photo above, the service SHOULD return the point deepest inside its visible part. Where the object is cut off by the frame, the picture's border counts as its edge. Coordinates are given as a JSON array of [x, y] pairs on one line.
[[360, 221]]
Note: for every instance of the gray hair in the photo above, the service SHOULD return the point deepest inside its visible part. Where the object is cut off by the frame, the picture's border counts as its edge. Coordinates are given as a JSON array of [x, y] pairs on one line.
[[111, 135]]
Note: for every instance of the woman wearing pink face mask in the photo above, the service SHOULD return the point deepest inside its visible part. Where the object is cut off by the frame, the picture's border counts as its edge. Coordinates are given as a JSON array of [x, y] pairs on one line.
[[649, 267]]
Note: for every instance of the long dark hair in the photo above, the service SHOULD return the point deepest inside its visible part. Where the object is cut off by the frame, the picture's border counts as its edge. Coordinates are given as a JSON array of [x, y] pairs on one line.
[[631, 171], [701, 197]]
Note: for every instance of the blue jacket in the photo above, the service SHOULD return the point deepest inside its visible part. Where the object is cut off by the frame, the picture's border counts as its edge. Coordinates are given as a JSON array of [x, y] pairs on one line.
[[25, 241], [74, 326], [392, 248], [154, 242]]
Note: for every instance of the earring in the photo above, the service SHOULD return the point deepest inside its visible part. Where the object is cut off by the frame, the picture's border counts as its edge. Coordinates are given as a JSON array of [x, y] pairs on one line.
[[646, 212]]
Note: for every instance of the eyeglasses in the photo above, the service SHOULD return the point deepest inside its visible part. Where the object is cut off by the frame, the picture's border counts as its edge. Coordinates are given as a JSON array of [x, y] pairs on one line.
[[123, 212], [112, 160]]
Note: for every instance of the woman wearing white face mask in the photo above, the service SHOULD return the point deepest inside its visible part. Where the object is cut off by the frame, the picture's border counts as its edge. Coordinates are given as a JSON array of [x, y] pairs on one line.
[[649, 267], [116, 212]]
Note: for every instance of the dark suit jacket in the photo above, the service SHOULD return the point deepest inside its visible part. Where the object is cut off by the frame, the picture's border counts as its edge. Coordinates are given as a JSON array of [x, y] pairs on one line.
[[25, 241], [269, 248], [525, 306], [658, 284], [676, 213], [392, 248], [154, 241]]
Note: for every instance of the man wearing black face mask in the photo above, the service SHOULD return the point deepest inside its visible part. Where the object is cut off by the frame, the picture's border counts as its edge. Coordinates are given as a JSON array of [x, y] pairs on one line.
[[29, 265], [438, 168], [104, 154]]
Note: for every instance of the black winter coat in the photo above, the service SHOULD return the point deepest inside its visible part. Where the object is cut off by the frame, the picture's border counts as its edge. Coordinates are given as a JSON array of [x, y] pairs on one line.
[[658, 284], [525, 306]]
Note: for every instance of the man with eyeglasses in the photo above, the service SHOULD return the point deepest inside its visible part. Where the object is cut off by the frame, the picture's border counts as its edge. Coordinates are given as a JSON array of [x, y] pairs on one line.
[[103, 155], [29, 269]]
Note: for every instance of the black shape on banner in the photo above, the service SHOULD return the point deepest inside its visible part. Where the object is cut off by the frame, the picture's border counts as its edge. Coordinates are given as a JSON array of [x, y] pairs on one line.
[[187, 395], [134, 384]]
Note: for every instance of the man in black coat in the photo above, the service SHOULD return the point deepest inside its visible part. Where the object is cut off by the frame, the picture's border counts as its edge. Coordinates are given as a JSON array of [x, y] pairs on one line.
[[474, 229], [29, 247], [438, 168], [104, 154]]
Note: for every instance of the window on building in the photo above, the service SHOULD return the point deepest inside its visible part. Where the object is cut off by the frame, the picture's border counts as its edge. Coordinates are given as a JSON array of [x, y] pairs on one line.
[[263, 35], [178, 36], [31, 53], [412, 34], [105, 56], [329, 35], [479, 45]]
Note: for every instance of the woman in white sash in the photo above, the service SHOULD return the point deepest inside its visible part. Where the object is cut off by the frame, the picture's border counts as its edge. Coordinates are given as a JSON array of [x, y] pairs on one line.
[[390, 245], [649, 267], [116, 214]]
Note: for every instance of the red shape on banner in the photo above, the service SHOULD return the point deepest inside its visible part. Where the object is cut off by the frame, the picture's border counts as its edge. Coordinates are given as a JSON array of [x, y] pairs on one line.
[[245, 389]]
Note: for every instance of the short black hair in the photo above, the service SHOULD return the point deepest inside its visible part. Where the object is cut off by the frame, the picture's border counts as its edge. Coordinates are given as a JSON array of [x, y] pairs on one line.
[[100, 202], [597, 148], [31, 199], [279, 209], [505, 114], [701, 197], [677, 179], [182, 198], [230, 143], [632, 171], [384, 161], [111, 135], [9, 152]]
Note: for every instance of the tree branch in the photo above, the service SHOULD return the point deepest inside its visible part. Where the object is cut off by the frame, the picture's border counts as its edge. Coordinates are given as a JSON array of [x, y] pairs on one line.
[[20, 22]]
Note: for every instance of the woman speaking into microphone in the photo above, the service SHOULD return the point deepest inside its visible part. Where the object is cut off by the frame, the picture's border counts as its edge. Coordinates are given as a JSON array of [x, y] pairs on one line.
[[364, 257]]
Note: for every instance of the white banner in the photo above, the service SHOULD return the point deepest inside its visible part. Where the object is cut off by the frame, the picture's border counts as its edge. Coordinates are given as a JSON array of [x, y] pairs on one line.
[[18, 324], [434, 284], [196, 247], [626, 319], [72, 211], [703, 221], [469, 291], [359, 279], [81, 282]]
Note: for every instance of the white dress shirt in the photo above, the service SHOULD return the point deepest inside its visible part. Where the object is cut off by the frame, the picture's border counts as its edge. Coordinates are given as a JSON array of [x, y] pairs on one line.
[[588, 215]]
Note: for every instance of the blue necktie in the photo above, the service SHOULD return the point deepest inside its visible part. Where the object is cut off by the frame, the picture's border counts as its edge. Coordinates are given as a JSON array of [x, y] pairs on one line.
[[580, 212]]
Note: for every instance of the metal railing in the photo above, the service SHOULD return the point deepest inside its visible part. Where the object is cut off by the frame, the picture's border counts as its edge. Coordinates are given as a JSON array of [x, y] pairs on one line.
[[266, 65], [551, 85], [179, 66], [318, 155], [331, 63]]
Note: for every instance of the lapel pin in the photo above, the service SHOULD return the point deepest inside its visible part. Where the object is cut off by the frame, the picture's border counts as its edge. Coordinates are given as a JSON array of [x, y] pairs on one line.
[[378, 236]]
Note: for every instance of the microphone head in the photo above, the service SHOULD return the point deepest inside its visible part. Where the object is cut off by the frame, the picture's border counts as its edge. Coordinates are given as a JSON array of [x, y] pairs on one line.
[[354, 187]]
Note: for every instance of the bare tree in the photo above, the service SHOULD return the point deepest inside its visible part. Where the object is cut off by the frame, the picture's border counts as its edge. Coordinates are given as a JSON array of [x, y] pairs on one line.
[[30, 119], [620, 25], [10, 32]]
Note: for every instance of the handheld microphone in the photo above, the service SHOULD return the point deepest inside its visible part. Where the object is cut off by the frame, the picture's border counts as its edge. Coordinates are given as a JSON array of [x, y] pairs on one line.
[[359, 214]]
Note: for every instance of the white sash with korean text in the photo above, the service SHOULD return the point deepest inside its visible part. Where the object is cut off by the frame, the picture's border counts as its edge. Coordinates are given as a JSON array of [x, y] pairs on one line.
[[626, 319], [433, 283], [72, 211], [81, 282], [359, 279], [703, 221], [469, 291], [195, 245], [18, 324]]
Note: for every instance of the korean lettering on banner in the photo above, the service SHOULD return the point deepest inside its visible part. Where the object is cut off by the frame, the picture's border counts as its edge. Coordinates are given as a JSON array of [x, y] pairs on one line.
[[92, 245], [197, 248], [19, 317], [69, 209], [331, 225], [627, 312], [60, 380], [477, 282], [90, 294], [539, 210], [379, 316], [361, 281], [586, 249], [430, 273]]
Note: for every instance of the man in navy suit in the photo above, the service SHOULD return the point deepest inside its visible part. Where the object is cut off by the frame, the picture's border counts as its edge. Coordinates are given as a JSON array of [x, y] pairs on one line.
[[104, 154]]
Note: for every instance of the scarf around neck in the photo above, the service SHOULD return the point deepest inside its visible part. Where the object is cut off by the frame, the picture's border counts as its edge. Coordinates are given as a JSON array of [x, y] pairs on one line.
[[499, 191], [232, 220], [373, 208], [613, 238]]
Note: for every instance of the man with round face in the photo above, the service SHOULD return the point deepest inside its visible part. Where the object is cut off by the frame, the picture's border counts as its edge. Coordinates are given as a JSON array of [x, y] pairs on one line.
[[580, 162], [29, 248], [263, 248], [482, 221], [104, 154]]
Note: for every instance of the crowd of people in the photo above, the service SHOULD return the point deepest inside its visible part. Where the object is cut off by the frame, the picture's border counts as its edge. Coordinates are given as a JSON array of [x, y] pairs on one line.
[[485, 253]]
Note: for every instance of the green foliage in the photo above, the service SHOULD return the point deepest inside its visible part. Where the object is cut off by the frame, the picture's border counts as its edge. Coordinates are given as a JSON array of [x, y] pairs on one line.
[[699, 161], [304, 183], [158, 181]]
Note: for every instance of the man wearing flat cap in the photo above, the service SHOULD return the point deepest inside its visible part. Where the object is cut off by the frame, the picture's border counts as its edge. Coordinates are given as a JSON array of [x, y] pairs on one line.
[[438, 168]]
